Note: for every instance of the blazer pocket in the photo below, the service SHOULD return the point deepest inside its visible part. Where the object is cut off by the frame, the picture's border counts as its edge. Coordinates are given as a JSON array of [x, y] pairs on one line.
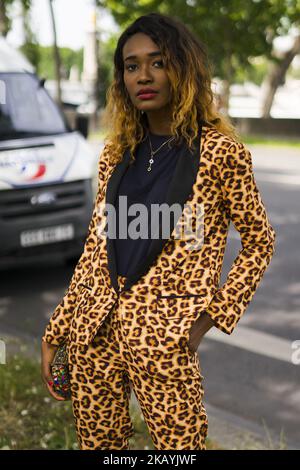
[[85, 286], [179, 306]]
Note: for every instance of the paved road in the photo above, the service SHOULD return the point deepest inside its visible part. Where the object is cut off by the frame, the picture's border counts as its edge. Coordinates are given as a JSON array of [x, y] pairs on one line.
[[250, 379], [250, 373]]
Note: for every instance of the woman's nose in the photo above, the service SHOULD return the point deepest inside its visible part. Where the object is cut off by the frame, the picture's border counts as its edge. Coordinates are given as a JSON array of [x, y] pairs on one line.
[[144, 73]]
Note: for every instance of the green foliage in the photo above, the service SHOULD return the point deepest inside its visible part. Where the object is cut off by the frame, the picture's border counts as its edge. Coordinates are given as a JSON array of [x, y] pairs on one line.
[[106, 52], [32, 51], [255, 74], [42, 57], [29, 417], [294, 73], [233, 31], [5, 18], [6, 13], [271, 141], [69, 58]]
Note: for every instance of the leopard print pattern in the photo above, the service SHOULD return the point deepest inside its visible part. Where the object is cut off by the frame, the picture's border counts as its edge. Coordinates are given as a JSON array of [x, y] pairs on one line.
[[157, 313], [104, 372], [226, 186]]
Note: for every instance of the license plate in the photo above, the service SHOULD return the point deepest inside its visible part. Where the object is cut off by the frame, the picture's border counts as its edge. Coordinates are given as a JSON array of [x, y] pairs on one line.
[[47, 235]]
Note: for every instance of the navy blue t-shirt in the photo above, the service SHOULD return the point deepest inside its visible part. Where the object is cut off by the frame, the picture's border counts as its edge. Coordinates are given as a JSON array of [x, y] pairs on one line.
[[146, 187]]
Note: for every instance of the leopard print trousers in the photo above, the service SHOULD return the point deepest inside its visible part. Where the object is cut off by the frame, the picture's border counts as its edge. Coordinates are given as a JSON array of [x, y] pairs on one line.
[[104, 372]]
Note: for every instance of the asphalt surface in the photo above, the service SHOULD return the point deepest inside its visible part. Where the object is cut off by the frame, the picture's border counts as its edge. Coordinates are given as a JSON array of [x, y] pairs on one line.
[[251, 378]]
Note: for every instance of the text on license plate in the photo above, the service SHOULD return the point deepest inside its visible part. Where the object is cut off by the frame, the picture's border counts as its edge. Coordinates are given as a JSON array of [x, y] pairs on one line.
[[47, 235]]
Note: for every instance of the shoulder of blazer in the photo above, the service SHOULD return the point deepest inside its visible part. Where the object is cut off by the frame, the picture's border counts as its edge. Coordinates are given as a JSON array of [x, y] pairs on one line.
[[103, 163], [226, 147], [212, 133]]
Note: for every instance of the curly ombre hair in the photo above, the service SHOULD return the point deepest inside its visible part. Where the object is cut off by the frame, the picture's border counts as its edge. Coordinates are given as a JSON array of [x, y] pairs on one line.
[[192, 101]]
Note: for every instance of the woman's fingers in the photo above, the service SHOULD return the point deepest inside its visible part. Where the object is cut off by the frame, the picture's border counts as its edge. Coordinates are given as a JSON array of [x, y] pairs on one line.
[[48, 353], [48, 380]]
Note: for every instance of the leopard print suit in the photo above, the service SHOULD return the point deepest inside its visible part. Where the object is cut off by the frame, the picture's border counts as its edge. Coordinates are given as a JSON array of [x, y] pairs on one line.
[[135, 332]]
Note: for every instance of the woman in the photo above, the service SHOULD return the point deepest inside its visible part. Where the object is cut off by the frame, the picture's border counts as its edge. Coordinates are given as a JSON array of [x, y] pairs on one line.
[[138, 306]]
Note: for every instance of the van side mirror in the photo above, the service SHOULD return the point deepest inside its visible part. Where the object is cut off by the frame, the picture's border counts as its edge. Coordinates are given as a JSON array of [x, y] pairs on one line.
[[42, 82], [82, 124]]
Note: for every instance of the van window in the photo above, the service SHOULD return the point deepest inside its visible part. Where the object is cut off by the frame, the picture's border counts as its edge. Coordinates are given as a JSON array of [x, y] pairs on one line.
[[28, 109]]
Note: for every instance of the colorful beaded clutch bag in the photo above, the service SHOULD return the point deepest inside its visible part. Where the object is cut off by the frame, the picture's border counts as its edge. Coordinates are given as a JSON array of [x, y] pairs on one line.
[[60, 372]]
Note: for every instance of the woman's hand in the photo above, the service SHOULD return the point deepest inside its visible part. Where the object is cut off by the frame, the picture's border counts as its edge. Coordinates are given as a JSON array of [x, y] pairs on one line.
[[198, 330], [48, 352]]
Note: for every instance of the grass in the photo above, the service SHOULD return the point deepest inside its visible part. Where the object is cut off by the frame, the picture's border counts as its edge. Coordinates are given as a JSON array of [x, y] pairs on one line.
[[272, 141], [247, 139], [31, 419]]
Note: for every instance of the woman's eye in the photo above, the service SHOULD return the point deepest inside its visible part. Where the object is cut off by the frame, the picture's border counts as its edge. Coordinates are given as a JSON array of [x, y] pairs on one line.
[[128, 67], [133, 65]]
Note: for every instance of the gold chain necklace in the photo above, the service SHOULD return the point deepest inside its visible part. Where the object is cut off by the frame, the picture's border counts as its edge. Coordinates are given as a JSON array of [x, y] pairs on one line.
[[154, 152]]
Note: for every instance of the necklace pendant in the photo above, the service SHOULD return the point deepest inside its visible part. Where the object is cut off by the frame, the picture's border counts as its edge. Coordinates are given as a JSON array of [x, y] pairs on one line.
[[153, 153]]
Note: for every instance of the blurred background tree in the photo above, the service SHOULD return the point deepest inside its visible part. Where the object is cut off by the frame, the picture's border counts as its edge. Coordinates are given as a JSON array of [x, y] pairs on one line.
[[106, 66], [69, 58], [235, 32], [239, 35]]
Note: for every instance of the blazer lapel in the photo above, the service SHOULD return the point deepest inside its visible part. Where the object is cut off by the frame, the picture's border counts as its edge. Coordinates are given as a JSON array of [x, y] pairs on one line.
[[179, 190], [111, 194]]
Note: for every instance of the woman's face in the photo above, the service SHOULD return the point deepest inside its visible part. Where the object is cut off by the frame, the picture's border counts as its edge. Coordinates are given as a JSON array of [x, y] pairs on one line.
[[143, 68]]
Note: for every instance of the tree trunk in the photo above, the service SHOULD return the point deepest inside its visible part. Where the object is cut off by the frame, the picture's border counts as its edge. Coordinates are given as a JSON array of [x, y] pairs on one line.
[[56, 57], [224, 104], [228, 74], [96, 84], [276, 77], [3, 19]]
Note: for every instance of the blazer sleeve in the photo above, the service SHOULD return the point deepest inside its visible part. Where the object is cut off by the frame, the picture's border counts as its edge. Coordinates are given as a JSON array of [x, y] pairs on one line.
[[246, 210], [58, 327]]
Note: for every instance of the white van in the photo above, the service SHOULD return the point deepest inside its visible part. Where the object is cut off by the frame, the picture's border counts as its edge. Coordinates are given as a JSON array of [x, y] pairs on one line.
[[46, 169]]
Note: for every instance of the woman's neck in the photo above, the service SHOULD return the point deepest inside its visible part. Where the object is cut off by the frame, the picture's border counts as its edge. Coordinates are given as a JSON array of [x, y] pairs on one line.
[[159, 122]]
